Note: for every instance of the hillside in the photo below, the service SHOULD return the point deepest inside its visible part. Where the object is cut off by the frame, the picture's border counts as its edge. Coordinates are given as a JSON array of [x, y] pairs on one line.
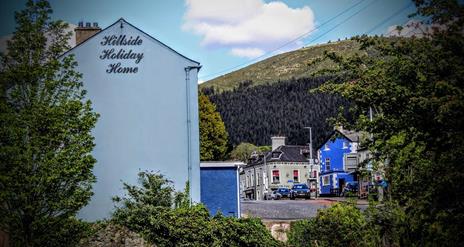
[[282, 67], [254, 114]]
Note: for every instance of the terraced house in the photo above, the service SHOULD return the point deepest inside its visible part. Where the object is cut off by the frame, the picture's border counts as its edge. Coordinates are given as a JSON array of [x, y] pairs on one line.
[[284, 166], [339, 161]]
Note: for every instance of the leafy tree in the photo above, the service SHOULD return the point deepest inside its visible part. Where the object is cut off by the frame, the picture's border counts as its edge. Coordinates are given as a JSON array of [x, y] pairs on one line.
[[339, 225], [414, 87], [45, 136], [213, 134], [243, 151]]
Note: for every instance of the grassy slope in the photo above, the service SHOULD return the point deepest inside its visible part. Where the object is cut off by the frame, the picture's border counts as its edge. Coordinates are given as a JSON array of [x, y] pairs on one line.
[[280, 67]]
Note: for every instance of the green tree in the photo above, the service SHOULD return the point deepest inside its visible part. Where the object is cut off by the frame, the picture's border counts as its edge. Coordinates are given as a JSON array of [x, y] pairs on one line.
[[243, 151], [213, 134], [414, 87], [45, 137]]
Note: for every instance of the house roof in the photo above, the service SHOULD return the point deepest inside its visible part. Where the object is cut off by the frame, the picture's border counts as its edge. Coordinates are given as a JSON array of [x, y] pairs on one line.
[[351, 135], [220, 164], [138, 29], [285, 153]]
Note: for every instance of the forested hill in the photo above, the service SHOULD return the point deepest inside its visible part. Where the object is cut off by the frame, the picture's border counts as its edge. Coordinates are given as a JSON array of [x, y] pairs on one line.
[[285, 66], [255, 113]]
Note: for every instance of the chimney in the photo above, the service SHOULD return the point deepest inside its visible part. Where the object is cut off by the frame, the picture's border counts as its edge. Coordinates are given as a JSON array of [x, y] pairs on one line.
[[85, 32], [277, 141]]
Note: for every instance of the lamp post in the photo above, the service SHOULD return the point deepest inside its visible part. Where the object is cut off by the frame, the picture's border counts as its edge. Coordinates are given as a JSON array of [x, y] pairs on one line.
[[311, 160]]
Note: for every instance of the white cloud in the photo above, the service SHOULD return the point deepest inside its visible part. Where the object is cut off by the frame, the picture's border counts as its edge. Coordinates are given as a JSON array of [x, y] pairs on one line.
[[246, 26], [247, 52]]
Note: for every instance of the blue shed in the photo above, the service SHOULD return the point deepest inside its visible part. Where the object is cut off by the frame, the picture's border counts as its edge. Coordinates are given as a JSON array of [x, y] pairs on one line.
[[220, 187], [338, 161]]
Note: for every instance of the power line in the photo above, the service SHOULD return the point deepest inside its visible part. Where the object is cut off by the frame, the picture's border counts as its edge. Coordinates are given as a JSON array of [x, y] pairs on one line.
[[287, 43], [390, 17]]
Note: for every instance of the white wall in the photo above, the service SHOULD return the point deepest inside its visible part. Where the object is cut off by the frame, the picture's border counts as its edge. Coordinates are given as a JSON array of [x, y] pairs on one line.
[[143, 122]]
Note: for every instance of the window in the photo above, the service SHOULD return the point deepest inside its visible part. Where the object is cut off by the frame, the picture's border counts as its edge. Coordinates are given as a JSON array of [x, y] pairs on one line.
[[325, 180], [326, 147], [314, 174], [275, 176], [296, 176], [247, 181], [327, 164], [345, 145]]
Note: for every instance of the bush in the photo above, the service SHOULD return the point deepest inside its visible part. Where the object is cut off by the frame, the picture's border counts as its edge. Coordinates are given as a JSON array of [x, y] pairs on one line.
[[340, 225], [166, 225]]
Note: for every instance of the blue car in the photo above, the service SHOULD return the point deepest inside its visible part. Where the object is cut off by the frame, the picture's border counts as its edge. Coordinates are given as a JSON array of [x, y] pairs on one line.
[[300, 190], [284, 192]]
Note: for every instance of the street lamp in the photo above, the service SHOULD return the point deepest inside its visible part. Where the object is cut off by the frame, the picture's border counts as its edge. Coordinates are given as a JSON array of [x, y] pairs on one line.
[[311, 160]]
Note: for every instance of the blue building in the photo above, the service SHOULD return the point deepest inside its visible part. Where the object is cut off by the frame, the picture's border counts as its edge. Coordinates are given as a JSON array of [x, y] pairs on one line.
[[338, 161], [146, 95], [220, 187]]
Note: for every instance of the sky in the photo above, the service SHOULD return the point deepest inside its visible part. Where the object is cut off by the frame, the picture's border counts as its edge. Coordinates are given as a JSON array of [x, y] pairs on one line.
[[225, 35]]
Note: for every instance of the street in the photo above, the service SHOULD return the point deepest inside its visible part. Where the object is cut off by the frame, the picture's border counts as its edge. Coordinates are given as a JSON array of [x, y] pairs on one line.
[[287, 209]]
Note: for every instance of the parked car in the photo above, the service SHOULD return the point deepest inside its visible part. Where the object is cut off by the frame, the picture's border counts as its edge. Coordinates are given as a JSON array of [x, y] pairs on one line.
[[350, 189], [274, 195], [284, 192], [300, 190]]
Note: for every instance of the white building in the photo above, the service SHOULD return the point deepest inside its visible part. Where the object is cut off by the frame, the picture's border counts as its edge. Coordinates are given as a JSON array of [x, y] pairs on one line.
[[146, 95]]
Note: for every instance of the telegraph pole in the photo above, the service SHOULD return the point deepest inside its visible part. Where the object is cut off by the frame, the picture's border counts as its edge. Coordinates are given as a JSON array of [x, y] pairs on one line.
[[311, 160]]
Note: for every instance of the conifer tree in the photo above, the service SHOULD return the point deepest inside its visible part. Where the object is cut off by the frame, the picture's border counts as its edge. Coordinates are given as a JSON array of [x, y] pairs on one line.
[[213, 134]]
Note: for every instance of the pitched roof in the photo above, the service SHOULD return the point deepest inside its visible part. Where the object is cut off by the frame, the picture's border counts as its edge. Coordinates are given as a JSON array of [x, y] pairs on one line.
[[285, 153], [121, 20], [351, 135]]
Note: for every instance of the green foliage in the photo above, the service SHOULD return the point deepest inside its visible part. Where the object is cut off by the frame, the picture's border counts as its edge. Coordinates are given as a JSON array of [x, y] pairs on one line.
[[339, 225], [254, 114], [213, 134], [46, 142], [148, 210], [414, 86], [286, 66], [243, 151]]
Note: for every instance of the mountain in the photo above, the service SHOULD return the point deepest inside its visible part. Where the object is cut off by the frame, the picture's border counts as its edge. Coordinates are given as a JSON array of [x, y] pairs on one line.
[[285, 66], [272, 97]]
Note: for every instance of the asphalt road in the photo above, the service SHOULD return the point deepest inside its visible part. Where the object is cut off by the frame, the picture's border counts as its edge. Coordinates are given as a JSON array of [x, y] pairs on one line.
[[285, 209]]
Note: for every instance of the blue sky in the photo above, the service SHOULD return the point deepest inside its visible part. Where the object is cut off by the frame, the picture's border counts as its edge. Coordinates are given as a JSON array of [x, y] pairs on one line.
[[229, 34]]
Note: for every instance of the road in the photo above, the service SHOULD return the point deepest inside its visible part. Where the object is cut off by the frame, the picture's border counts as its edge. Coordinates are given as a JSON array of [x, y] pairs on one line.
[[286, 209]]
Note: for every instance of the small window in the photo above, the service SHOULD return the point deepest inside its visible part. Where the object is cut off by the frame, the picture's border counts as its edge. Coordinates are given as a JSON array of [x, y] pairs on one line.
[[296, 176], [325, 180], [275, 155], [345, 145], [326, 147], [275, 176], [314, 174], [327, 164]]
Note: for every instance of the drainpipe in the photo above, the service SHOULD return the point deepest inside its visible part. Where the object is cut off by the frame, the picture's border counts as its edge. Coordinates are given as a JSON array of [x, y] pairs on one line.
[[189, 127]]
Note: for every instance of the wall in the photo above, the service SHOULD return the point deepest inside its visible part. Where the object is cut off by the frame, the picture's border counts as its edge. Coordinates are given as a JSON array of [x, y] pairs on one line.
[[336, 154], [219, 190], [143, 115]]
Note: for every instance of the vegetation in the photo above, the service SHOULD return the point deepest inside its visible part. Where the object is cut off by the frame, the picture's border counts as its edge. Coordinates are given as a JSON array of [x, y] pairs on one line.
[[213, 134], [283, 67], [339, 225], [254, 114], [46, 142], [149, 211], [414, 87]]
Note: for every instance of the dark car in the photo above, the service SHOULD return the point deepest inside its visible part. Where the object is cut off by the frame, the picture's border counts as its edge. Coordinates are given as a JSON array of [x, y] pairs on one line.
[[284, 192], [300, 190], [350, 189]]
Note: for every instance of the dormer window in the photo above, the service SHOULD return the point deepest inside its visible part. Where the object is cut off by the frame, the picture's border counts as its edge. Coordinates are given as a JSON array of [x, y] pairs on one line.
[[276, 155]]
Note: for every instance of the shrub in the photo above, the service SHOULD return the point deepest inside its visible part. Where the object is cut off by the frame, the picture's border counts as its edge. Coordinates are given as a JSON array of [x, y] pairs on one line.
[[340, 225]]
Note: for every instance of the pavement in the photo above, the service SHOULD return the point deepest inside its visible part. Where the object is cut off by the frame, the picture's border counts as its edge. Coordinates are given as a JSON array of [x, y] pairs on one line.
[[291, 209]]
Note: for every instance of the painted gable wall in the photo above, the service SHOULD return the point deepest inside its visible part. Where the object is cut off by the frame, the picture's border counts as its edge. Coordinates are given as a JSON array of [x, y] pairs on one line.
[[143, 116]]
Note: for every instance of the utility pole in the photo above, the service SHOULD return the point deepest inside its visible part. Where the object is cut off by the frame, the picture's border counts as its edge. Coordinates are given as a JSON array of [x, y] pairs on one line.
[[311, 160]]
